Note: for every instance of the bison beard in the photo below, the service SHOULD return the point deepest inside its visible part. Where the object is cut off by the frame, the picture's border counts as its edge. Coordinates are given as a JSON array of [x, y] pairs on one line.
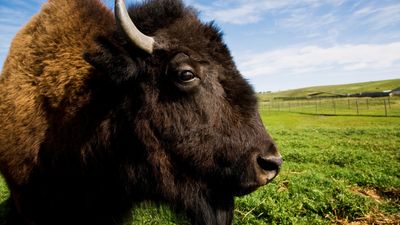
[[91, 123]]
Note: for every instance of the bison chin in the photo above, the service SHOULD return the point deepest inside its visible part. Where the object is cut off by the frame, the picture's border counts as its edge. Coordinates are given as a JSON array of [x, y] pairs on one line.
[[209, 201], [205, 206]]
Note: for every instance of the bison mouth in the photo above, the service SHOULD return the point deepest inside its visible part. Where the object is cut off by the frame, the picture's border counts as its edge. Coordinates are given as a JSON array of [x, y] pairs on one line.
[[247, 188], [239, 188]]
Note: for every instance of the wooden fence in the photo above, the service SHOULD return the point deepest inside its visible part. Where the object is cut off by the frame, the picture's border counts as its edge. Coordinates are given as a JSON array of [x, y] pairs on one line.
[[388, 106]]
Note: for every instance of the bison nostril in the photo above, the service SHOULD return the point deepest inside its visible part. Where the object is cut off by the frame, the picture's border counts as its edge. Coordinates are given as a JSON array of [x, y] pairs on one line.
[[270, 163]]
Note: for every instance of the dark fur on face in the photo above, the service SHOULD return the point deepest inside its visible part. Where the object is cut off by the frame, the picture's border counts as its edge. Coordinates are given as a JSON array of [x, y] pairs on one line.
[[92, 125]]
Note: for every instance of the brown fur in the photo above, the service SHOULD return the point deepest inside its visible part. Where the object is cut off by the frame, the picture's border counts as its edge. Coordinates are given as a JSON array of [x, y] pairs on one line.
[[90, 125], [45, 61]]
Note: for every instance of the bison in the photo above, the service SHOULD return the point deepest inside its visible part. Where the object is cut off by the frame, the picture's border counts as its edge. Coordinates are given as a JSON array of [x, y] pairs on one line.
[[100, 112]]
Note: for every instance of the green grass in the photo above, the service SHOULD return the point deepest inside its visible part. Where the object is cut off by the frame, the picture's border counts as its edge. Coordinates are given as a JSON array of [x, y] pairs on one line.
[[373, 86], [337, 169], [327, 158], [4, 195]]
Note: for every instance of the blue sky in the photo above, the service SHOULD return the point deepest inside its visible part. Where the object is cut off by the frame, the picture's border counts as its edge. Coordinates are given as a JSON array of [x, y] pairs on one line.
[[285, 44]]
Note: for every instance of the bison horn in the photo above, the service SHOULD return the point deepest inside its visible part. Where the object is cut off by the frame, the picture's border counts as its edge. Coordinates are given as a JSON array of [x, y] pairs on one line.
[[139, 39]]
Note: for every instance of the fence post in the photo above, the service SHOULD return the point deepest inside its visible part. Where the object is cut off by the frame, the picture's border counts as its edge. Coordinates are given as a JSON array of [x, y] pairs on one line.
[[384, 102], [316, 107], [269, 107], [319, 104], [334, 106], [301, 106], [358, 112]]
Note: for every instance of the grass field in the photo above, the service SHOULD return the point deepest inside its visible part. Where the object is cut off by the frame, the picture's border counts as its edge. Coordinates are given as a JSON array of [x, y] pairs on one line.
[[373, 86], [337, 170]]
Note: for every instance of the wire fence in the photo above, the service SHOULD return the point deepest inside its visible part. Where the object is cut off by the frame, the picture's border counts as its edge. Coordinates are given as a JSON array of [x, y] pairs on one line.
[[387, 106]]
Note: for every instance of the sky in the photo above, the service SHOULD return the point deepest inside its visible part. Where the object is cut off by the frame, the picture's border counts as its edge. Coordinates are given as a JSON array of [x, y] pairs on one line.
[[284, 44]]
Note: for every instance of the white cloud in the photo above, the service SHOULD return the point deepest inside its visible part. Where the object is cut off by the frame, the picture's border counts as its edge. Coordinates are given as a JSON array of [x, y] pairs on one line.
[[252, 11], [305, 24], [378, 17], [313, 59], [243, 14]]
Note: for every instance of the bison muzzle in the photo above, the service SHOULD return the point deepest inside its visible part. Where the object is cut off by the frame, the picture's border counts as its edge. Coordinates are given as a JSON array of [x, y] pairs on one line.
[[99, 112]]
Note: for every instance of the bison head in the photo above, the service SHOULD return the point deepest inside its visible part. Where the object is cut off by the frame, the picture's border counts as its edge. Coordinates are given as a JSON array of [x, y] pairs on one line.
[[192, 135]]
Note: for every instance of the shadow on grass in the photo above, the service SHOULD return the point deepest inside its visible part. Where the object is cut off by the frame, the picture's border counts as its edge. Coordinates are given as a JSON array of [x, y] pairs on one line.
[[4, 211]]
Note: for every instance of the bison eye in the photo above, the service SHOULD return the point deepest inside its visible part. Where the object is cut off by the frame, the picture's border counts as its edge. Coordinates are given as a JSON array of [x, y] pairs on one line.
[[187, 76]]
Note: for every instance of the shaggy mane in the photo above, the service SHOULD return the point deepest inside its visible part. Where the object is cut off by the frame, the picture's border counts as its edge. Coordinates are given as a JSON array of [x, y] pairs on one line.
[[152, 15]]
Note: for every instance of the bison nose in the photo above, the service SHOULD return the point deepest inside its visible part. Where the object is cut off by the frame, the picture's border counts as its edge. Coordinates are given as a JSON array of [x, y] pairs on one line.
[[269, 167]]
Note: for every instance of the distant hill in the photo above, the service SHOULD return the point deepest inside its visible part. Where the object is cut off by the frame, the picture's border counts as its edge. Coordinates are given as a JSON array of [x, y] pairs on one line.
[[344, 89]]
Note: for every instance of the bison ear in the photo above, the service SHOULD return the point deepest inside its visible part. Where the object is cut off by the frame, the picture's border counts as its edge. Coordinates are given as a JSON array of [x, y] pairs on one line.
[[113, 61]]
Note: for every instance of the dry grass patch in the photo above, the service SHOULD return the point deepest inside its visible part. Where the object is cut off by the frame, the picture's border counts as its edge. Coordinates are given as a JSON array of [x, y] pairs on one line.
[[374, 218], [369, 192]]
